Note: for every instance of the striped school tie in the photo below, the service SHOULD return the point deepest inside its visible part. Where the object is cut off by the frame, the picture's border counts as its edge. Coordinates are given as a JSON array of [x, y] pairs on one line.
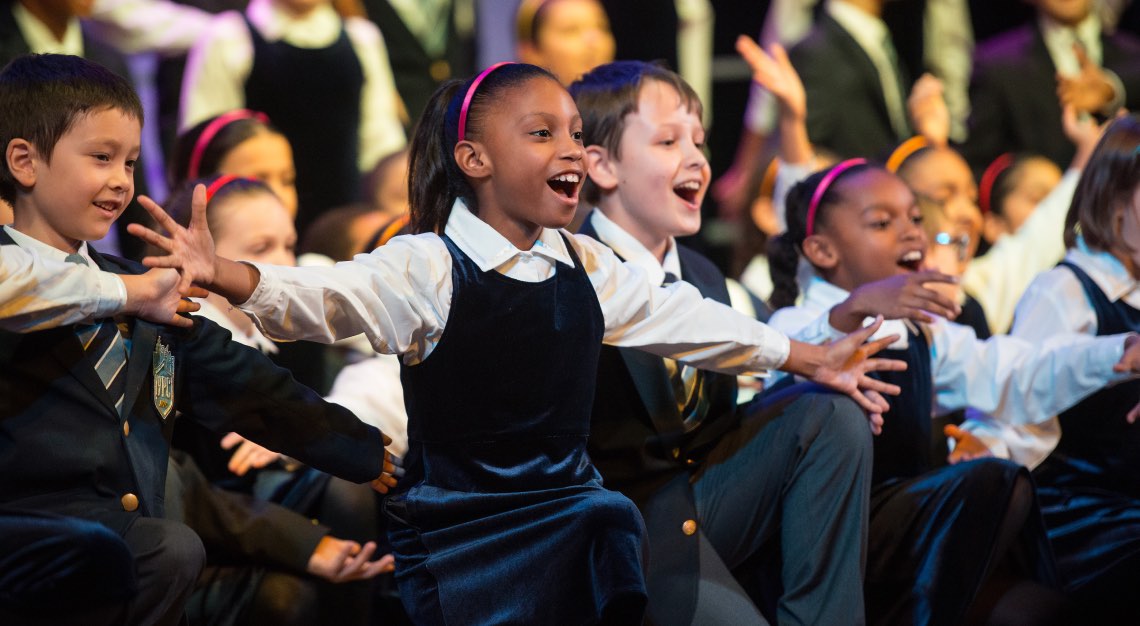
[[685, 380], [104, 346]]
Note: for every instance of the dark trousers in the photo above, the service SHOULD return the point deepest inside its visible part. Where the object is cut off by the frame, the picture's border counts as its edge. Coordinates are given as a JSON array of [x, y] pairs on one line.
[[56, 570], [168, 558], [794, 480]]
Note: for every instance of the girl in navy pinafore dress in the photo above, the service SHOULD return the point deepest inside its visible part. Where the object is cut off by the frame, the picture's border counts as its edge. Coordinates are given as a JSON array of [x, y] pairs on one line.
[[1089, 480], [500, 517]]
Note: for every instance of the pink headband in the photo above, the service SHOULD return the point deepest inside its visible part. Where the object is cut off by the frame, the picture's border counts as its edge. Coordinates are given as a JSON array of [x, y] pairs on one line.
[[989, 177], [471, 94], [217, 185], [212, 129], [828, 178]]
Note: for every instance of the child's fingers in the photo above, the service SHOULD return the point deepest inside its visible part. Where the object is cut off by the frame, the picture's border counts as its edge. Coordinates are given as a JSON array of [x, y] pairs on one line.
[[188, 306], [874, 384], [874, 347], [1133, 414], [231, 440], [164, 262], [181, 322], [952, 430], [876, 422], [151, 237], [780, 55], [161, 217], [198, 207]]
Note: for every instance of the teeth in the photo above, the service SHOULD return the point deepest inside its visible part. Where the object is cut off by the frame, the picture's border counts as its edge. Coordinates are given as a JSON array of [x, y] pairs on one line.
[[567, 178], [692, 184], [913, 255]]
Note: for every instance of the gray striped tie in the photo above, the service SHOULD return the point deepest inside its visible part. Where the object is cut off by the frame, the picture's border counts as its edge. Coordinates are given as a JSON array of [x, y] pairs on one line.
[[103, 344]]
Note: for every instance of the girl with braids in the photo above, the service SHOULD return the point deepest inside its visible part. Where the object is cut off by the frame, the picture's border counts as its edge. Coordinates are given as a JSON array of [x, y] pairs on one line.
[[499, 315], [939, 536]]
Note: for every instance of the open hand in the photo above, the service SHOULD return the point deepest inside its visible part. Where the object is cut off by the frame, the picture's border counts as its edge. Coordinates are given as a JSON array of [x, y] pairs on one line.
[[248, 455], [845, 364], [773, 71], [190, 250], [903, 296], [967, 447], [340, 560]]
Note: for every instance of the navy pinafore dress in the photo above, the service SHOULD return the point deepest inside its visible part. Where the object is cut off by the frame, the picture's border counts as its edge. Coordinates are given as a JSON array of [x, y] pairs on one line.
[[501, 517], [933, 529], [1089, 485]]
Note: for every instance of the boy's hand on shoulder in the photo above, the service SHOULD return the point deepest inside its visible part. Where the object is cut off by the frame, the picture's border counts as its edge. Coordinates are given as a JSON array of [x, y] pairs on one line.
[[904, 296], [341, 560], [154, 296], [190, 250], [967, 446]]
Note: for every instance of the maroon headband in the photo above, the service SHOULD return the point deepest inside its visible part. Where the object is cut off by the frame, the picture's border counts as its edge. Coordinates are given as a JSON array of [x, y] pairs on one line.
[[989, 177]]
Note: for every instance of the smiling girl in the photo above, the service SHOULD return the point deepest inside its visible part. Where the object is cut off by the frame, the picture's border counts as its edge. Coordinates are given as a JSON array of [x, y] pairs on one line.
[[499, 316]]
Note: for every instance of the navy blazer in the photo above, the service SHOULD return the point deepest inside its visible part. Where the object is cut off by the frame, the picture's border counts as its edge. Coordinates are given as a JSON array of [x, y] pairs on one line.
[[64, 448], [1013, 99], [637, 442], [846, 109]]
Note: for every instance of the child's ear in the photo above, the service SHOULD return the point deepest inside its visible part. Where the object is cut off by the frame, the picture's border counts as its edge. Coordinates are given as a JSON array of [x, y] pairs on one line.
[[601, 168], [472, 159], [821, 252], [20, 155]]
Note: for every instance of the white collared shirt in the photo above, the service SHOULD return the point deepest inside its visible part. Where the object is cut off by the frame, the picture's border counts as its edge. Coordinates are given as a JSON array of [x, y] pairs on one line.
[[253, 339], [1056, 304], [1015, 380], [38, 289], [633, 252], [220, 62], [158, 26], [999, 277], [40, 39], [399, 295]]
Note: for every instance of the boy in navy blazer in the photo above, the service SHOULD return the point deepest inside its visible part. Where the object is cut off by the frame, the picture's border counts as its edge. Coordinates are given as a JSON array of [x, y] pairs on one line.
[[86, 412], [725, 491]]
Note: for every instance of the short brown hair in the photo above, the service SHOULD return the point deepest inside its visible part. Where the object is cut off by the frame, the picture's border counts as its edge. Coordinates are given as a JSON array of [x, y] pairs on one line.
[[41, 97], [608, 93], [1111, 176]]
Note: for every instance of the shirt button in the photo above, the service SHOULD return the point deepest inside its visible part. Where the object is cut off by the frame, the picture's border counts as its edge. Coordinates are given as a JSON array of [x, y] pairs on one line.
[[131, 502], [689, 527], [126, 429]]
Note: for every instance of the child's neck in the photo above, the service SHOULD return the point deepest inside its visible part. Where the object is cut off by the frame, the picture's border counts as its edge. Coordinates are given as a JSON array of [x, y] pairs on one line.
[[28, 223], [55, 21], [657, 245]]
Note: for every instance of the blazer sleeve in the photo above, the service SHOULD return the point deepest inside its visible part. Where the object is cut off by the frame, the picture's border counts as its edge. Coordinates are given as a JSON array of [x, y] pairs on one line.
[[230, 387]]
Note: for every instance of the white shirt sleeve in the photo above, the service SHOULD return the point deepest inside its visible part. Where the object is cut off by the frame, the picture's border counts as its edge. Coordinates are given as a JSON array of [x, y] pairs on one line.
[[381, 132], [372, 390], [999, 277], [676, 321], [216, 70], [148, 25], [1015, 380], [398, 295], [36, 293]]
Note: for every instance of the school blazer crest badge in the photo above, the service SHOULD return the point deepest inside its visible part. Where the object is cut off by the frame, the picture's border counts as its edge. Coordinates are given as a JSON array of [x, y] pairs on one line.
[[163, 368]]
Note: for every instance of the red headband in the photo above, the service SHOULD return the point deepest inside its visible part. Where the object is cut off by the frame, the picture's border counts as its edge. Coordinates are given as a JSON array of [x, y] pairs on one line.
[[212, 129], [471, 94], [828, 178], [989, 177], [217, 185]]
